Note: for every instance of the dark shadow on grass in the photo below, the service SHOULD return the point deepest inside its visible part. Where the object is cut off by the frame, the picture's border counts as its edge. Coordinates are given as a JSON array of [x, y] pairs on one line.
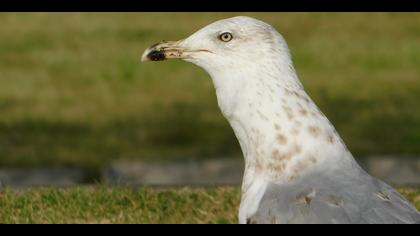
[[172, 133]]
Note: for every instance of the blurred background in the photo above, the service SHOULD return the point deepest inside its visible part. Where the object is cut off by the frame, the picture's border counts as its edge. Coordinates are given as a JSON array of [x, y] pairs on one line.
[[75, 100]]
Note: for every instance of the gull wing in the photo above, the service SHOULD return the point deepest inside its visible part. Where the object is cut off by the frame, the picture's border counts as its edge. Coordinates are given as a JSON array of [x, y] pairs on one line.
[[335, 198]]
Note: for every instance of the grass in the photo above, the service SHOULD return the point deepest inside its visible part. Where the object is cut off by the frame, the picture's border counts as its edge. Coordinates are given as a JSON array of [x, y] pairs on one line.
[[73, 93], [124, 205], [120, 205]]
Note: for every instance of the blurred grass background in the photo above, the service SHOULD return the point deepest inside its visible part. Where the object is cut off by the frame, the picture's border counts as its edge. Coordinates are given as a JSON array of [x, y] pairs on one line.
[[73, 91]]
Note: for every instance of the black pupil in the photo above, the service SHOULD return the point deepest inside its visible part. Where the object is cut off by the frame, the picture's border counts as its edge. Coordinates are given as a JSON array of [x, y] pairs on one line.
[[226, 36]]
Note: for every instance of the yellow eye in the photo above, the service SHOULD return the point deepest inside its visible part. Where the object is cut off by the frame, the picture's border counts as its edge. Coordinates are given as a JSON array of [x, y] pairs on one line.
[[225, 37]]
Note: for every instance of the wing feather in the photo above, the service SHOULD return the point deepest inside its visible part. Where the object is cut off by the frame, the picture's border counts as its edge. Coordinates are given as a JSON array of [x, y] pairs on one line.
[[319, 198]]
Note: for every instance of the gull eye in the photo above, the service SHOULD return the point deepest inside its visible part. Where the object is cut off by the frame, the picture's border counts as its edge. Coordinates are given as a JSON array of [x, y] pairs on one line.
[[225, 37]]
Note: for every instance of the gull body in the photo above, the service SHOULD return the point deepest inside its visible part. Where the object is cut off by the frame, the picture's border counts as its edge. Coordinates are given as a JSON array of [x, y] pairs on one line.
[[297, 168]]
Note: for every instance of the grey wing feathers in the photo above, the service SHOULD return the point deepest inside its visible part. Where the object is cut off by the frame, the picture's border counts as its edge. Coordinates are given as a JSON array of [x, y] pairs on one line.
[[359, 199]]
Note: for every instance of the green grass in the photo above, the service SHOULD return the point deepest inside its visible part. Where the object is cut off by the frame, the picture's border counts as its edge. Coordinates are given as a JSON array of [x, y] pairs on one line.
[[124, 205], [120, 205], [73, 91]]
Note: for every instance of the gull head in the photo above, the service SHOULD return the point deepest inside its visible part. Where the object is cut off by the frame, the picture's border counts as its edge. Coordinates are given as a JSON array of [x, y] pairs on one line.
[[228, 43]]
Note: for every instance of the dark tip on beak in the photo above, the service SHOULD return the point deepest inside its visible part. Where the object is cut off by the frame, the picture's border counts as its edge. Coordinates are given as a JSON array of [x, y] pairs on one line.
[[156, 55], [162, 51]]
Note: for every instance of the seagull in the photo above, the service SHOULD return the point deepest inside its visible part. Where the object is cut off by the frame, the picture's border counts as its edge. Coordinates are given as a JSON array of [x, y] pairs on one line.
[[297, 168]]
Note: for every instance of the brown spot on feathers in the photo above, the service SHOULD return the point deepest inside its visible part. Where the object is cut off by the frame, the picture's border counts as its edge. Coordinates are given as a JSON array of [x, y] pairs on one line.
[[306, 197], [290, 115], [286, 156], [259, 166], [308, 200], [289, 112], [314, 131], [330, 138], [281, 139], [277, 164], [303, 112]]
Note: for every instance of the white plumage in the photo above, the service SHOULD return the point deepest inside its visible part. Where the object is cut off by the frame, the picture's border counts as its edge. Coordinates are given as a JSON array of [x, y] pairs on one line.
[[297, 168]]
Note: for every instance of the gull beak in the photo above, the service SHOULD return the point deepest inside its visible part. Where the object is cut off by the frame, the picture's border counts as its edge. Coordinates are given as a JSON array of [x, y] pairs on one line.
[[163, 50], [170, 50]]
